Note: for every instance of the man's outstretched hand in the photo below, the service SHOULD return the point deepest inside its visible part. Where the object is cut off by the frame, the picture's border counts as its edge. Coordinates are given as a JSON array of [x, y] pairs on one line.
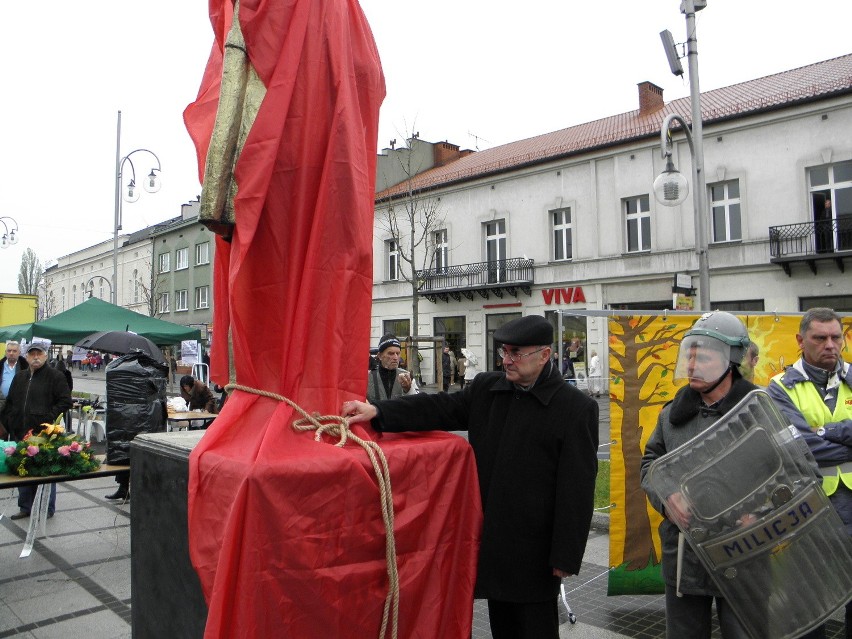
[[358, 411]]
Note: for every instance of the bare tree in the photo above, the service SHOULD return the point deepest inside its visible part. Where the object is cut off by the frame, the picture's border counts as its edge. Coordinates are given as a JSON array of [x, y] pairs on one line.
[[46, 299], [151, 294], [411, 221], [31, 273]]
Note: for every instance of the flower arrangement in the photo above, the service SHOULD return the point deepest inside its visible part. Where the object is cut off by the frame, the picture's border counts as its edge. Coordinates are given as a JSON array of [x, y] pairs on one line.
[[51, 452]]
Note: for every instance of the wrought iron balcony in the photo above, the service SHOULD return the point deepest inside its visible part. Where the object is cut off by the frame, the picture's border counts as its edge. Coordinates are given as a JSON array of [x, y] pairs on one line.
[[481, 278], [810, 242]]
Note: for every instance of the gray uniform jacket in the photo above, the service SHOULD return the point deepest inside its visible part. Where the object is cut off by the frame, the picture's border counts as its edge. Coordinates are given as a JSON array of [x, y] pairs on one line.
[[679, 421]]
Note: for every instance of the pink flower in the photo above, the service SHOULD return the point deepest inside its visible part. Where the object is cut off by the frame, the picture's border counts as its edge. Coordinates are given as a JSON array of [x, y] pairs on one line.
[[32, 451], [10, 450], [75, 447], [65, 451]]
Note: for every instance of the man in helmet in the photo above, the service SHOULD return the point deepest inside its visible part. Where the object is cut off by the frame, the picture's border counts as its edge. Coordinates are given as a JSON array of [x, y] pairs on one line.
[[815, 394], [708, 358]]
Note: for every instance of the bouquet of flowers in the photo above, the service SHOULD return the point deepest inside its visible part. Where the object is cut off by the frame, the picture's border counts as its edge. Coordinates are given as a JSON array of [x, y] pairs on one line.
[[51, 452]]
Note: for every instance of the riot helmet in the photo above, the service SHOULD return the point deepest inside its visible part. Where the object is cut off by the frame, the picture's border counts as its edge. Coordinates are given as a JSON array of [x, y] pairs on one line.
[[715, 343]]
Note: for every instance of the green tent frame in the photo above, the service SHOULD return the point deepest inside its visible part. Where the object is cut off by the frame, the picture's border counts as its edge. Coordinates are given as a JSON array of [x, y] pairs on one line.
[[95, 315]]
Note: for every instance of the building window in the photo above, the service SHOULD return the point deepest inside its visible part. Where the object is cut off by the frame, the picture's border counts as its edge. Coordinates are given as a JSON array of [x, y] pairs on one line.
[[74, 295], [163, 263], [495, 250], [392, 250], [182, 258], [725, 207], [181, 300], [441, 250], [62, 299], [831, 199], [560, 220], [202, 297], [135, 286], [637, 214], [163, 303], [202, 253], [399, 327]]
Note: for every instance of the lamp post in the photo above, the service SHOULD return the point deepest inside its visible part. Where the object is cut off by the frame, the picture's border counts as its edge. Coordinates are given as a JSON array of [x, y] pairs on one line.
[[9, 237], [91, 282], [130, 194], [670, 187]]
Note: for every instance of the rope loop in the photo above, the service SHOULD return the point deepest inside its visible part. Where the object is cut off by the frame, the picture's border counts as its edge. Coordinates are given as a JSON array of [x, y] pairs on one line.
[[338, 427]]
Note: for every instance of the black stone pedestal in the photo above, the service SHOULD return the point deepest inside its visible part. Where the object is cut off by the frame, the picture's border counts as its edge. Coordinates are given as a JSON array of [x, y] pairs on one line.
[[165, 591]]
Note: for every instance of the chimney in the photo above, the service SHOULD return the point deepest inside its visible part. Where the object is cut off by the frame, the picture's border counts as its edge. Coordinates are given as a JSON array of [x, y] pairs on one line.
[[445, 152], [650, 98]]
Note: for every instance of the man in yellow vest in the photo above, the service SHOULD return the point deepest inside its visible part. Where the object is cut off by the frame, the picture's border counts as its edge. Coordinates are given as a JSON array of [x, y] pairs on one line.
[[815, 394]]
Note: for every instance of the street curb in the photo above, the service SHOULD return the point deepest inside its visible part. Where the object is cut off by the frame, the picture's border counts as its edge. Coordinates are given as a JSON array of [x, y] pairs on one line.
[[600, 521]]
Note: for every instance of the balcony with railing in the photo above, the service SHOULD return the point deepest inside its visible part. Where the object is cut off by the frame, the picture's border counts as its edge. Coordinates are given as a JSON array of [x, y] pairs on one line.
[[498, 278], [811, 242]]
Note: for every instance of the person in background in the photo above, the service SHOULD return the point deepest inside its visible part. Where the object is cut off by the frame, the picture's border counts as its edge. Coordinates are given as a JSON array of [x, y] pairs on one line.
[[471, 366], [38, 395], [62, 368], [708, 358], [196, 394], [595, 381], [448, 365], [11, 365], [815, 394], [535, 440], [388, 379], [461, 366]]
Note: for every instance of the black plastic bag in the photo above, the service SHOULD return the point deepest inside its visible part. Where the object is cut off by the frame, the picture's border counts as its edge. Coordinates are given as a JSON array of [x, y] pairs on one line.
[[136, 402]]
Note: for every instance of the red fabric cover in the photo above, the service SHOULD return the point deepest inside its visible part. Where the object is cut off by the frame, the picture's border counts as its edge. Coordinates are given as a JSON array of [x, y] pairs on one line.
[[286, 534]]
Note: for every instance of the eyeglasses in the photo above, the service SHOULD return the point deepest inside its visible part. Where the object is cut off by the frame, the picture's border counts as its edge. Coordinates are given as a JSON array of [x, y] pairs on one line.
[[516, 357]]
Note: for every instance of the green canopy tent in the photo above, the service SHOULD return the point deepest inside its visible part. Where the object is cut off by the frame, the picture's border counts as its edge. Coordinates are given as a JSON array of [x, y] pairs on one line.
[[95, 315], [14, 332]]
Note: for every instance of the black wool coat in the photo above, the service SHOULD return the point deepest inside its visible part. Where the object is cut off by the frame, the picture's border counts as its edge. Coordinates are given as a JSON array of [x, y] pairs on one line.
[[536, 455], [35, 399]]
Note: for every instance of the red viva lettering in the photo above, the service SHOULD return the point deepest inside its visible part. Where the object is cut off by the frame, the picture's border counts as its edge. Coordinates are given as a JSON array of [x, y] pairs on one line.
[[570, 295]]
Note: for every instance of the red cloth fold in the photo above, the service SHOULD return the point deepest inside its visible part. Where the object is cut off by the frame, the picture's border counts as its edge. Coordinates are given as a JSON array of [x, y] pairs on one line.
[[286, 533]]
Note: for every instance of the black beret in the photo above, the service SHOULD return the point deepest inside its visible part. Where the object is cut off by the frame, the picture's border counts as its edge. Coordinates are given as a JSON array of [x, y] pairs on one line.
[[532, 330]]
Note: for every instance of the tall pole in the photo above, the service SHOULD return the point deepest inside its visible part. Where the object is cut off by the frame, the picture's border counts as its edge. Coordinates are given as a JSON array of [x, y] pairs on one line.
[[699, 194], [117, 225]]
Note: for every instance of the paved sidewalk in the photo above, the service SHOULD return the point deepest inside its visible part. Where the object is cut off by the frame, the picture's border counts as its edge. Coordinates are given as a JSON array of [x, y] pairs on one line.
[[76, 582]]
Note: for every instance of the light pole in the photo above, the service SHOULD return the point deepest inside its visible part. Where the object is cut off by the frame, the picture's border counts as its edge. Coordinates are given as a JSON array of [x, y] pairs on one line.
[[131, 194], [9, 237], [670, 187]]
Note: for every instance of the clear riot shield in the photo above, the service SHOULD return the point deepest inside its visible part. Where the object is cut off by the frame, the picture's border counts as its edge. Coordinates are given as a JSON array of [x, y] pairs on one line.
[[760, 522]]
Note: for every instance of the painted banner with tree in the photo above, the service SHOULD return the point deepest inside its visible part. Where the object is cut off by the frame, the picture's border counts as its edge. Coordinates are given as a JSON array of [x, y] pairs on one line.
[[642, 356]]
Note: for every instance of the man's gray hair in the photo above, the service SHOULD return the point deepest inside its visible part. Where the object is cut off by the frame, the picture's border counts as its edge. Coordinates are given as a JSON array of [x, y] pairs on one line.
[[12, 342], [818, 314]]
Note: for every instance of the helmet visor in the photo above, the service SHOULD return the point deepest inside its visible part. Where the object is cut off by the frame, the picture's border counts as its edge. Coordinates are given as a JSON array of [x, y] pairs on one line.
[[702, 358]]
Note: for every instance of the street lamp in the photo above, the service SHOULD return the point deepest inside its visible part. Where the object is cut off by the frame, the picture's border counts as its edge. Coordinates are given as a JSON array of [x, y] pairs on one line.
[[130, 194], [670, 187], [92, 283], [9, 237]]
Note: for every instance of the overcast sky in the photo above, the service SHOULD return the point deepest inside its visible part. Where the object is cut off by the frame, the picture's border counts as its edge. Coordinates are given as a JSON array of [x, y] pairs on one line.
[[473, 72]]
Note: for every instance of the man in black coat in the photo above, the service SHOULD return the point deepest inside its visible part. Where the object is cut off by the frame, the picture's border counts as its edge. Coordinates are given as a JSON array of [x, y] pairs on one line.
[[37, 396], [535, 440]]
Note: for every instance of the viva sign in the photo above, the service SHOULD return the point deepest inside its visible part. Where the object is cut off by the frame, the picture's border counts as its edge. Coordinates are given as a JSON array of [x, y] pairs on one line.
[[570, 295]]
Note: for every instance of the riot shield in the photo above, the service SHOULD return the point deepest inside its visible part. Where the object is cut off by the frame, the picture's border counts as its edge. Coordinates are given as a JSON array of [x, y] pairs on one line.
[[760, 522]]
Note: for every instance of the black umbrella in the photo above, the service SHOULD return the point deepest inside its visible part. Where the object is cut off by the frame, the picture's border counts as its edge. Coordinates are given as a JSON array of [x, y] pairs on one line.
[[121, 343]]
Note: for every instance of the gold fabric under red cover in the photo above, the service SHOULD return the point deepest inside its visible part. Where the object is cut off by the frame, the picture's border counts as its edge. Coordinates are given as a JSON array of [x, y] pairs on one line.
[[286, 534]]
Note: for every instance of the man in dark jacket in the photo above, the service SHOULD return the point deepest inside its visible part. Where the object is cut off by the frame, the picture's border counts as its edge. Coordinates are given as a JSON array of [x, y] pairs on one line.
[[535, 439], [37, 396]]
